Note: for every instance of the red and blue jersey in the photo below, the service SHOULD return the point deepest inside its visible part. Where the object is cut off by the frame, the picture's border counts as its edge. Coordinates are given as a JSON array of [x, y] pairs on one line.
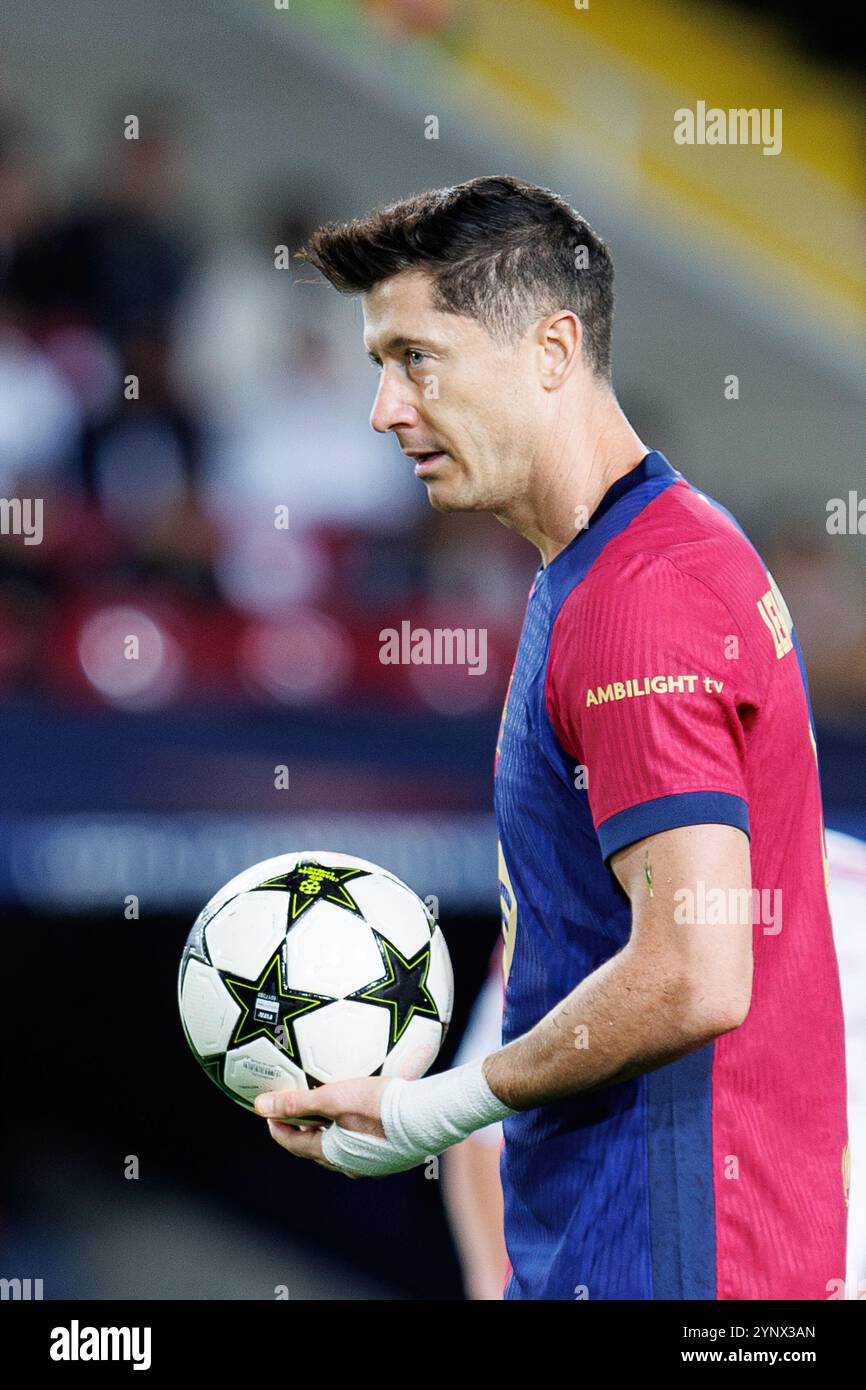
[[659, 683]]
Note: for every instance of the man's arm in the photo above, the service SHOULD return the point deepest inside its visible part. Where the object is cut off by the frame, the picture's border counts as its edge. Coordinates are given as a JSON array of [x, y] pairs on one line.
[[672, 988]]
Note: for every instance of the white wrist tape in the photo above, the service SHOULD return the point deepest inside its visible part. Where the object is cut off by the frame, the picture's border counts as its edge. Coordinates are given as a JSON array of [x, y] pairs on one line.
[[420, 1119]]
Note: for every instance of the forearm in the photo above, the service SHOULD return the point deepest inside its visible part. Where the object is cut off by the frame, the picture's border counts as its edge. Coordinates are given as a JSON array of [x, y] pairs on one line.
[[629, 1016]]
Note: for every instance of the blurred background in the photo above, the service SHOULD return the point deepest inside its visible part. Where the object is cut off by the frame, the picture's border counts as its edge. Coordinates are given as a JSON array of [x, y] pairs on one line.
[[171, 383]]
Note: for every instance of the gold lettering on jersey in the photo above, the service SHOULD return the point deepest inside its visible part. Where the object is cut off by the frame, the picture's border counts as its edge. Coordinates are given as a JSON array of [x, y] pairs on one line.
[[780, 630], [780, 602], [508, 904], [636, 686]]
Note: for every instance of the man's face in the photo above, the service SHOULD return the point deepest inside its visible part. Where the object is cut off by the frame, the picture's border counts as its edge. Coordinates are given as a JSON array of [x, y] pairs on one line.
[[446, 388]]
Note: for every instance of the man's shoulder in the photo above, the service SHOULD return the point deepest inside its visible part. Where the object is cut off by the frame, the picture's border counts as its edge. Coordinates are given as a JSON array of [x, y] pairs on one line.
[[682, 541], [683, 524]]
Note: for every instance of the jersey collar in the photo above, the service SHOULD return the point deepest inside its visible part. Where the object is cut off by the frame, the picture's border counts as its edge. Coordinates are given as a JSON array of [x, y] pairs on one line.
[[652, 465]]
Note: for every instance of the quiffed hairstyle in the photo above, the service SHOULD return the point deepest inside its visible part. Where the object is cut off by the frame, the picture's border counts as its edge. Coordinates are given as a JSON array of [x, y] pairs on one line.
[[499, 250]]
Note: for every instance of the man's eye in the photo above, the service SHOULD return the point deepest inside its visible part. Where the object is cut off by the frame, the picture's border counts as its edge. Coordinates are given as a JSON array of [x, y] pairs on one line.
[[415, 352]]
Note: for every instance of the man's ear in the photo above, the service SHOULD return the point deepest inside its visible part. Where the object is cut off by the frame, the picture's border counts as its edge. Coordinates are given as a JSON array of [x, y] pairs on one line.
[[560, 338]]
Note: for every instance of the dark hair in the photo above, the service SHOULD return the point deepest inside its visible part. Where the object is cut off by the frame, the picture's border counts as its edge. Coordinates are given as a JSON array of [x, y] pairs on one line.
[[497, 249]]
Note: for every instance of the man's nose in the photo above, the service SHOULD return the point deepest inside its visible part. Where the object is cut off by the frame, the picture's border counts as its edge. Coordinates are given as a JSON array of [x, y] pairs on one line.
[[392, 406]]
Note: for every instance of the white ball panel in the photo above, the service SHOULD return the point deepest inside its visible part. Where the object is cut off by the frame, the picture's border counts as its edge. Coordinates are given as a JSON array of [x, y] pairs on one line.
[[331, 951], [258, 1066], [243, 937], [393, 910], [440, 976], [209, 1011], [342, 1040], [417, 1049], [249, 878]]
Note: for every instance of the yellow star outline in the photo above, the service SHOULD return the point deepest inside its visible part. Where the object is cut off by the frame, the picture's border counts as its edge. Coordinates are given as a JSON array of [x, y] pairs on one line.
[[308, 1002], [305, 884], [390, 950]]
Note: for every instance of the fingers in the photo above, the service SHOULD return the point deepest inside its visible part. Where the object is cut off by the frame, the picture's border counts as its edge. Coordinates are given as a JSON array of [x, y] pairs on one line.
[[298, 1119], [321, 1104], [306, 1144]]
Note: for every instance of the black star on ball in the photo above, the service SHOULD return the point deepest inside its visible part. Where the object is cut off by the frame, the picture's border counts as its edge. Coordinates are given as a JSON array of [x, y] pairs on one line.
[[403, 989], [269, 1009], [308, 883]]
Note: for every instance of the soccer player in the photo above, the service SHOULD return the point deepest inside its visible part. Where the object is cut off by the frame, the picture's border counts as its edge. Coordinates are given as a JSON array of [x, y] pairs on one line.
[[672, 1075]]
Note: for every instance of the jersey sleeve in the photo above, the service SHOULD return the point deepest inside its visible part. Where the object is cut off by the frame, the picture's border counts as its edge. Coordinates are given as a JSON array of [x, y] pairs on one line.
[[649, 688]]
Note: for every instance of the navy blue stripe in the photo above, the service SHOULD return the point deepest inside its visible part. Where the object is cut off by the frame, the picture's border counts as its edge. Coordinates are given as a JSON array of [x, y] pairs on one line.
[[669, 812], [682, 1207], [624, 500]]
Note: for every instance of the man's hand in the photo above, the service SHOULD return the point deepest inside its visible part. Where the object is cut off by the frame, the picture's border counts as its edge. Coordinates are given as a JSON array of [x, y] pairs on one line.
[[379, 1124], [297, 1119]]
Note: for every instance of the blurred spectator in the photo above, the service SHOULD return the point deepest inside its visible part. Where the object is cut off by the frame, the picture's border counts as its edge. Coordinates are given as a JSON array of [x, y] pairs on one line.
[[236, 322], [39, 414], [98, 283], [277, 368], [117, 260]]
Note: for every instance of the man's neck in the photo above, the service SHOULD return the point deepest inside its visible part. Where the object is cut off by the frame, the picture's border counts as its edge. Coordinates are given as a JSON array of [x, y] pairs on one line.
[[569, 482]]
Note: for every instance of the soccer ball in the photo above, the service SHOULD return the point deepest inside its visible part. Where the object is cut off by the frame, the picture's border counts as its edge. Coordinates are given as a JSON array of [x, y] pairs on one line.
[[310, 968]]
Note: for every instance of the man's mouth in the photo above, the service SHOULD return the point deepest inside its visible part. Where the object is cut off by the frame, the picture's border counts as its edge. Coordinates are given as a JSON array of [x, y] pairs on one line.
[[426, 463]]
